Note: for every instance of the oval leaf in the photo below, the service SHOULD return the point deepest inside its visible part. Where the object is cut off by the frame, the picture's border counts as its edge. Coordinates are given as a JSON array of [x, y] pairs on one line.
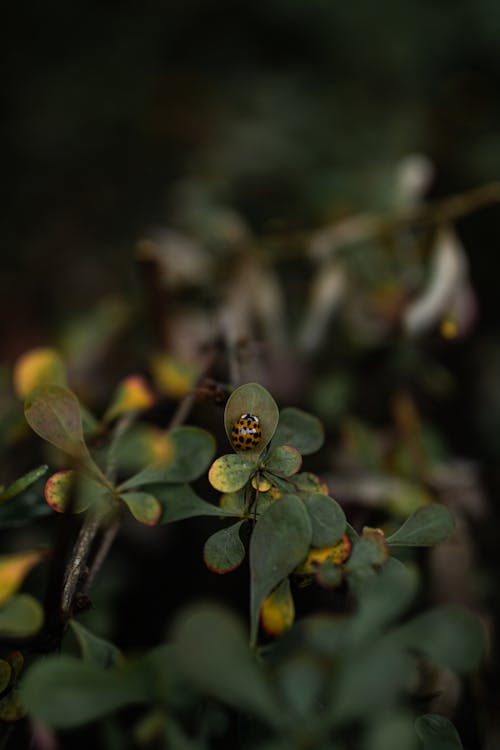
[[284, 461], [301, 430], [132, 394], [36, 367], [13, 571], [194, 448], [327, 518], [231, 472], [65, 692], [23, 483], [95, 650], [447, 635], [212, 651], [59, 487], [429, 525], [21, 616], [54, 414], [144, 507], [224, 550], [252, 398], [437, 733], [279, 543]]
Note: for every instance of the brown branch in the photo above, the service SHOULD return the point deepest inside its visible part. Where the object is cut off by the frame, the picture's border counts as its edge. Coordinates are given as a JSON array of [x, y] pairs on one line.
[[76, 565]]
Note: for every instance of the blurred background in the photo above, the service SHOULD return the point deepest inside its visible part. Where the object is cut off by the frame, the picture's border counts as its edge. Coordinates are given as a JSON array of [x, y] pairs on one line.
[[276, 180]]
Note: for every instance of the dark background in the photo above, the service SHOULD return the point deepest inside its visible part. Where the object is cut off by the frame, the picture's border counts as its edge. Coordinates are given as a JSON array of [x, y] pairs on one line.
[[291, 114]]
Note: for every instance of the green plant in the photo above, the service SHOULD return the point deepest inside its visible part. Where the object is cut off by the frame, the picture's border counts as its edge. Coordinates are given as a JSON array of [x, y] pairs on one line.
[[328, 681]]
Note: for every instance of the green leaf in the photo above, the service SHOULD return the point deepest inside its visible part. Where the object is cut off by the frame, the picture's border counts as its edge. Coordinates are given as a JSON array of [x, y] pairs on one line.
[[437, 733], [429, 525], [140, 449], [327, 519], [301, 682], [367, 552], [301, 430], [21, 616], [395, 730], [88, 492], [224, 550], [369, 680], [179, 501], [144, 507], [381, 599], [230, 472], [95, 650], [447, 635], [65, 692], [212, 652], [22, 483], [279, 543], [308, 483], [193, 449], [54, 414], [284, 460], [252, 398]]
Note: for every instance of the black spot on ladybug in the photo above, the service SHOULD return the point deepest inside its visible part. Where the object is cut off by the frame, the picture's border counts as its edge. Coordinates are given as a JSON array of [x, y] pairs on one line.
[[246, 432]]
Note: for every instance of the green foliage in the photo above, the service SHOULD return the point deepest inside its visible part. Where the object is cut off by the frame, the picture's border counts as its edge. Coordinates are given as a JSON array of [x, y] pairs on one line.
[[279, 543], [64, 692], [327, 518], [21, 616], [213, 653], [428, 525], [22, 483], [437, 733], [327, 676], [224, 550], [299, 429]]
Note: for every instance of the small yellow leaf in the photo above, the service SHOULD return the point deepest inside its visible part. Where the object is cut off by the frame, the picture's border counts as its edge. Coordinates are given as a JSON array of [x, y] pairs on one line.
[[41, 366], [173, 377], [58, 488], [261, 483], [14, 569], [132, 394], [277, 612], [336, 553]]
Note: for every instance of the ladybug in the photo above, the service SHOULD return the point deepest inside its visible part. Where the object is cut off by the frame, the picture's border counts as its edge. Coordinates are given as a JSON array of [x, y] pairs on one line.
[[246, 433]]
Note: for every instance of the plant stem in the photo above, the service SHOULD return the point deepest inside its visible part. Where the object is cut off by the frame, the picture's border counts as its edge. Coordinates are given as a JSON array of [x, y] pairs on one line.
[[75, 567]]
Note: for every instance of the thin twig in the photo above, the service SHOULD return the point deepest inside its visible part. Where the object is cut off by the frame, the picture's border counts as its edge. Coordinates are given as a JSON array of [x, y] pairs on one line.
[[76, 565]]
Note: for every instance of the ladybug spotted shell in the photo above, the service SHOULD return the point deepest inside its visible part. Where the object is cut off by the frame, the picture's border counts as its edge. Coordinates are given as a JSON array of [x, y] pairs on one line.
[[246, 432]]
